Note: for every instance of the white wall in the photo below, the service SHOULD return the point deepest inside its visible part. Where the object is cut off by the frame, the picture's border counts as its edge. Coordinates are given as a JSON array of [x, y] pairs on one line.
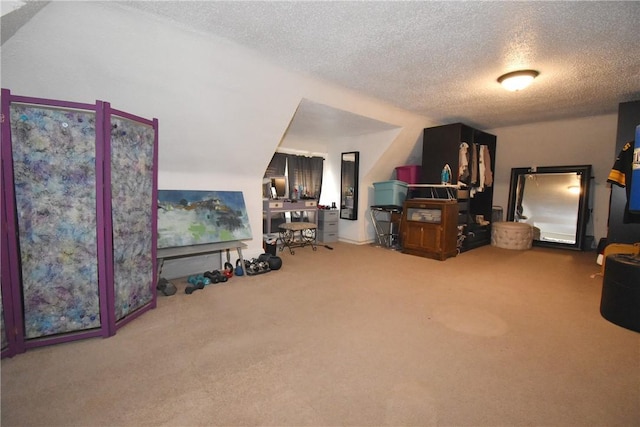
[[585, 141], [222, 109]]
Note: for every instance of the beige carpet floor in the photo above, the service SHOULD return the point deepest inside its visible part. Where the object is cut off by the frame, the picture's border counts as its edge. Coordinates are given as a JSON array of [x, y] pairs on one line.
[[355, 336]]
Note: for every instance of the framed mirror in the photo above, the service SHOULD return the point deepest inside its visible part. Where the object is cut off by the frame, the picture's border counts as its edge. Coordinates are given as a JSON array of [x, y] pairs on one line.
[[554, 200], [349, 185]]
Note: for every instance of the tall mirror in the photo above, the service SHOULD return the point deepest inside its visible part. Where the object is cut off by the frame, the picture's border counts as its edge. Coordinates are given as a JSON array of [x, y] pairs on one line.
[[554, 200], [349, 185]]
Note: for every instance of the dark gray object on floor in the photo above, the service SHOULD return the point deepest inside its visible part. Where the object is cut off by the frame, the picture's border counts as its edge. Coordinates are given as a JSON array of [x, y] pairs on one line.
[[166, 287], [620, 302]]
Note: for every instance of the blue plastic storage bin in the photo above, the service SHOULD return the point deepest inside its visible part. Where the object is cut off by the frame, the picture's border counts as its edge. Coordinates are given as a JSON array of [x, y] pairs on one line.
[[390, 193]]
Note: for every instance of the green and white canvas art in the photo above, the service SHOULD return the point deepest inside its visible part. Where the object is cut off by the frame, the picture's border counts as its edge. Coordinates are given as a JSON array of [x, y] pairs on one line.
[[191, 217]]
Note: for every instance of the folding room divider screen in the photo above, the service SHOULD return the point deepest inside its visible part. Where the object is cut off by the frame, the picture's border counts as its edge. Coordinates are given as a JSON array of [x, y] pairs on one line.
[[79, 191]]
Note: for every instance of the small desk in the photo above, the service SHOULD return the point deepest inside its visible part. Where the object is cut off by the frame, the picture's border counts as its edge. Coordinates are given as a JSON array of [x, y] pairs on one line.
[[270, 207], [185, 251], [288, 235]]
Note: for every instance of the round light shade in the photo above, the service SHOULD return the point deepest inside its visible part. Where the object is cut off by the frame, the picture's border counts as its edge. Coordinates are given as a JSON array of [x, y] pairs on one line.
[[517, 80]]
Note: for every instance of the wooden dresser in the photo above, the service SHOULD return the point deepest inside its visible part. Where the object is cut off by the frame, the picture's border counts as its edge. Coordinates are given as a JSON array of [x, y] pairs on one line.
[[430, 228]]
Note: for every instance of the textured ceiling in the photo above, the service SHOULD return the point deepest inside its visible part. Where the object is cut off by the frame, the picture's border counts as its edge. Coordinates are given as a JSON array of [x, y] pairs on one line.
[[442, 59], [437, 59]]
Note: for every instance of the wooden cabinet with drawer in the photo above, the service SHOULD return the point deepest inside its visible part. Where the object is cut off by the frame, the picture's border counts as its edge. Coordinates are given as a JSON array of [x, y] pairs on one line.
[[430, 228]]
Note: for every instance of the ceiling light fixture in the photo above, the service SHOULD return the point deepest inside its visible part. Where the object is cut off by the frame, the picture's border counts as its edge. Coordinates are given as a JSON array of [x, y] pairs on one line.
[[517, 80]]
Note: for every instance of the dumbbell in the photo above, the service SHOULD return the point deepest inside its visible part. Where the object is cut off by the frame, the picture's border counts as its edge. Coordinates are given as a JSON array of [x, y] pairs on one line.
[[228, 270], [192, 288], [274, 262], [198, 279], [215, 276], [239, 270]]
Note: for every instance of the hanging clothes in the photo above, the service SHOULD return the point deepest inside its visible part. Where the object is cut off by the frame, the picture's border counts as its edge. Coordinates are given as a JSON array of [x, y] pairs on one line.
[[488, 173], [621, 175], [481, 168], [634, 197], [463, 163], [474, 164]]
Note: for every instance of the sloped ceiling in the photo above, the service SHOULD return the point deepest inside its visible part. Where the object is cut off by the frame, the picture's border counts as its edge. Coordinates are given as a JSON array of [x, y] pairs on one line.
[[442, 59], [437, 59], [316, 125], [17, 14]]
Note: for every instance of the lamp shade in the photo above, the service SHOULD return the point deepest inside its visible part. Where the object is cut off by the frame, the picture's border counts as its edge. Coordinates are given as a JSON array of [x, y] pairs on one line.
[[517, 80]]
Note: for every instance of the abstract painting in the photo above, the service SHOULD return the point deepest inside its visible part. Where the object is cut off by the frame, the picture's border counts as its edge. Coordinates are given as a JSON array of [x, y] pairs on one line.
[[132, 150], [54, 161], [187, 217]]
